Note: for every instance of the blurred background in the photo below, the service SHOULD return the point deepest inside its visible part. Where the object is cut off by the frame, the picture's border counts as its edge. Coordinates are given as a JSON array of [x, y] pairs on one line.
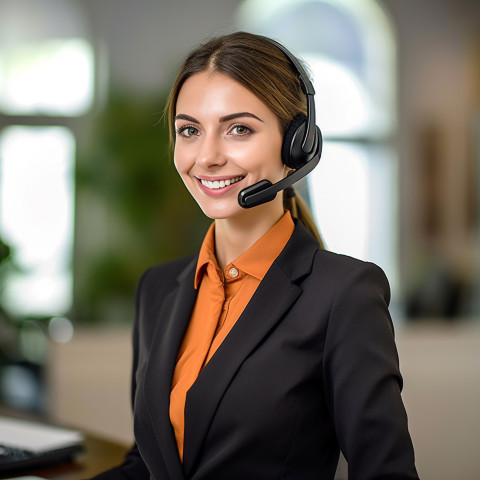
[[89, 197]]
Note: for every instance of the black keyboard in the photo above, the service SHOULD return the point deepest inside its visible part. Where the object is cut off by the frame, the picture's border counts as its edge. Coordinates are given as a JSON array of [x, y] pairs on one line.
[[14, 459]]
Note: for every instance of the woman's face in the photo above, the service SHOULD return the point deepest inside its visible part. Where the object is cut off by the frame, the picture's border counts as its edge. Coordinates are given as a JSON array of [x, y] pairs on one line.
[[226, 140]]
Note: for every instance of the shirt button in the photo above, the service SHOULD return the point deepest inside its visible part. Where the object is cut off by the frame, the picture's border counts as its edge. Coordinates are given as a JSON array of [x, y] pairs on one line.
[[233, 272]]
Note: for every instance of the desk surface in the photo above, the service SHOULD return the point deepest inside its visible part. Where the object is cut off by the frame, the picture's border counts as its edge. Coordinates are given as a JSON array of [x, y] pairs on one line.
[[99, 455]]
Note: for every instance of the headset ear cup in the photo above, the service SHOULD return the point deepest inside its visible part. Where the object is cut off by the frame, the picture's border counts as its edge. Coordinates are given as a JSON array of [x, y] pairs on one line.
[[292, 154]]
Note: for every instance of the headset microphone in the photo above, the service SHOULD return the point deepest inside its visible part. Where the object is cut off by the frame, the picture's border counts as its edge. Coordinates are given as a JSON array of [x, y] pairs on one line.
[[301, 148]]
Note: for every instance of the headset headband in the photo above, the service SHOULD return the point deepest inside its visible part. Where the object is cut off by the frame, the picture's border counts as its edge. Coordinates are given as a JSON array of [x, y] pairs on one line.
[[309, 91]]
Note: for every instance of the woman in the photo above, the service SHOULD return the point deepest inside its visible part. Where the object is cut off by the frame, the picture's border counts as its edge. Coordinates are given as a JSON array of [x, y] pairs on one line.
[[264, 355]]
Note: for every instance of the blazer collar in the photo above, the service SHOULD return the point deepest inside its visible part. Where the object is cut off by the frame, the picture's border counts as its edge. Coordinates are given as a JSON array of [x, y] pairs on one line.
[[274, 296]]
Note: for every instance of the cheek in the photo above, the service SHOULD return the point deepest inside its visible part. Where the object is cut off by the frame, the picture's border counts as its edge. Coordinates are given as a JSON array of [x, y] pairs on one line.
[[180, 160], [263, 158]]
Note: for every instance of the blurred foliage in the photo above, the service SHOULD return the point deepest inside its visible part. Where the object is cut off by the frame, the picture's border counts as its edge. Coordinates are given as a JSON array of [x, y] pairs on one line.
[[5, 264], [7, 322], [4, 252], [132, 207]]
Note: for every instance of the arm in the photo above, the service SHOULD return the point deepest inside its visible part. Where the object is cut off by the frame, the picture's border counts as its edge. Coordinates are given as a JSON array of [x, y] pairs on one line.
[[363, 380]]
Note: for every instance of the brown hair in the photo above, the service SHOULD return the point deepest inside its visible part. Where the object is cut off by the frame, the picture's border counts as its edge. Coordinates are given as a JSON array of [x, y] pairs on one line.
[[263, 68]]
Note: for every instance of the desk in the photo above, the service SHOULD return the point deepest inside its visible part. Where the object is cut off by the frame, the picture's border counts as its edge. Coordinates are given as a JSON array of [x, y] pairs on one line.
[[99, 455]]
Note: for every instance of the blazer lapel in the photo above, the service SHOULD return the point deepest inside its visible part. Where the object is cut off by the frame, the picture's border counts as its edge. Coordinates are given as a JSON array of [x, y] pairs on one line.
[[172, 322], [274, 296]]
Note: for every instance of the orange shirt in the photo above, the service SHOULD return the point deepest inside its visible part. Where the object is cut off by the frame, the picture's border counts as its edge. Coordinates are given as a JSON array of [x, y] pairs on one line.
[[222, 297]]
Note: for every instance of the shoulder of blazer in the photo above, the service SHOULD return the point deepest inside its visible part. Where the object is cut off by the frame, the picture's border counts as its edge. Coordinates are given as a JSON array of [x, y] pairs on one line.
[[162, 278], [336, 274], [303, 254], [347, 273]]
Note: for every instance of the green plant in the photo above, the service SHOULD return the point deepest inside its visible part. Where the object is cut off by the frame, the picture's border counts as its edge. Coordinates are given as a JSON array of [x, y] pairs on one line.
[[132, 209]]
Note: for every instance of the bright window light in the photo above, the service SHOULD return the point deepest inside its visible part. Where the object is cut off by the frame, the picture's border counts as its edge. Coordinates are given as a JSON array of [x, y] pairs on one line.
[[352, 192], [339, 188], [342, 105], [37, 217], [53, 77]]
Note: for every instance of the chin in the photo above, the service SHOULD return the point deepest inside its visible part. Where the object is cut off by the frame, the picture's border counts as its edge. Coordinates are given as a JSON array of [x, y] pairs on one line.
[[220, 208], [219, 213]]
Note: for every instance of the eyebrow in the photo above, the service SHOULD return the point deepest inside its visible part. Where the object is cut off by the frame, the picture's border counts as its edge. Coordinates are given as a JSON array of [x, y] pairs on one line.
[[232, 116], [182, 116], [225, 118]]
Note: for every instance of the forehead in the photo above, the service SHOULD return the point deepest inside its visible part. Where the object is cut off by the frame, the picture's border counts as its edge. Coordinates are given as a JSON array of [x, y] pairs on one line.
[[217, 94]]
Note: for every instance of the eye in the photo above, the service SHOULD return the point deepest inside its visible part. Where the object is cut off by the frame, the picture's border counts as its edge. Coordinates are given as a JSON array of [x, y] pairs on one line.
[[240, 130], [188, 131]]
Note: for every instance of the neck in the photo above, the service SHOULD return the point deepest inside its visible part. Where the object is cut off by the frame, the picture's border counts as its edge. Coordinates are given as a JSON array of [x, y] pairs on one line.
[[235, 235]]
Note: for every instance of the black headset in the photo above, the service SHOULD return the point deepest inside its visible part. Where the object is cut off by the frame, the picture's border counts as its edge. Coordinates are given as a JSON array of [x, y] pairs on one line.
[[301, 148]]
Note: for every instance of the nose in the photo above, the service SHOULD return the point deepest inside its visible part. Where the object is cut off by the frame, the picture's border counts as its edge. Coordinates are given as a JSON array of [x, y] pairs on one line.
[[210, 153]]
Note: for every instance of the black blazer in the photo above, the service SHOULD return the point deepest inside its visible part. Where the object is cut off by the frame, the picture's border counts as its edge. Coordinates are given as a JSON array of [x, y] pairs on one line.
[[310, 367]]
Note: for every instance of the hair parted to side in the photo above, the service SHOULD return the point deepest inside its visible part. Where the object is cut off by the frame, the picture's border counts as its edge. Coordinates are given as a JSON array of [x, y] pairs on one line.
[[262, 68]]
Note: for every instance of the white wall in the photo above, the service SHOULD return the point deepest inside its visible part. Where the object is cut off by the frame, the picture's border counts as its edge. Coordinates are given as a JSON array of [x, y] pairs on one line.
[[88, 383], [146, 39], [440, 365]]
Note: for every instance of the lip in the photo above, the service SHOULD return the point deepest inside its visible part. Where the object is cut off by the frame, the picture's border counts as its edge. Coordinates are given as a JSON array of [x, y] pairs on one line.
[[218, 191]]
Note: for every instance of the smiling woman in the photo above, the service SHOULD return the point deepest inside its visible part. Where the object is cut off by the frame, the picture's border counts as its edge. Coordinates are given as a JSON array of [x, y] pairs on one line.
[[264, 355]]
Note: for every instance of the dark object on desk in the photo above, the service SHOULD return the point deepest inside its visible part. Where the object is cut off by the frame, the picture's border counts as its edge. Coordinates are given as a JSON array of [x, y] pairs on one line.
[[26, 445], [14, 459]]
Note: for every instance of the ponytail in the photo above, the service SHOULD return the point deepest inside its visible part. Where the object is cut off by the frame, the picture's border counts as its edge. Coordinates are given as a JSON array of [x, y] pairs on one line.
[[298, 209]]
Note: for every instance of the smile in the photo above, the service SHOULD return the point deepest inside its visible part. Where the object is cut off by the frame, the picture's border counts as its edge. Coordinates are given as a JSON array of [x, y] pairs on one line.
[[216, 184]]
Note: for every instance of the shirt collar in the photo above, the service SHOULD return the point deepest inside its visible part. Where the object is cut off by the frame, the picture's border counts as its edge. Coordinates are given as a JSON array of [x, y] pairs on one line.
[[207, 255], [257, 259]]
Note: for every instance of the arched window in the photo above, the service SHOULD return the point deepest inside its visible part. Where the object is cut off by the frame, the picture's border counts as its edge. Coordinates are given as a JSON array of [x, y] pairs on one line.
[[350, 50], [46, 84]]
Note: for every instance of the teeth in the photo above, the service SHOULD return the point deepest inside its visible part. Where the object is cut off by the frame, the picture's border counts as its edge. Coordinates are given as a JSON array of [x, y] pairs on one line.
[[220, 183]]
